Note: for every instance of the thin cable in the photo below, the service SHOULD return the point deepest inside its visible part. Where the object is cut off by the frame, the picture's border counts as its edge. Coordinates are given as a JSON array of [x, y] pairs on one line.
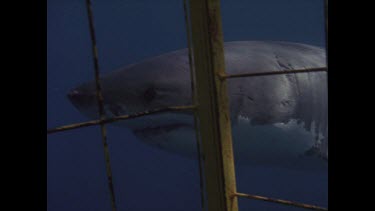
[[194, 99], [309, 70], [280, 201], [119, 118], [100, 104]]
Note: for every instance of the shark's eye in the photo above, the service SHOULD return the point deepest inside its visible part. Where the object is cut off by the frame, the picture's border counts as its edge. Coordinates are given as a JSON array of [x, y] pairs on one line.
[[149, 94]]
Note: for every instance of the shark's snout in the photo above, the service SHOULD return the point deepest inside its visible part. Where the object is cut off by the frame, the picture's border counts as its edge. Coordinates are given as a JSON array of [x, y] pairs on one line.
[[80, 98]]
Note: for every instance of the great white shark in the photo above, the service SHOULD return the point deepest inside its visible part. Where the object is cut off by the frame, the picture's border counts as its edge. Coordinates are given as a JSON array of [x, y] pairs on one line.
[[276, 120]]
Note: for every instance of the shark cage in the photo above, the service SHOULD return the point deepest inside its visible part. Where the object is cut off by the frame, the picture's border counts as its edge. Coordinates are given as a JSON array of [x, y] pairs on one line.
[[210, 107]]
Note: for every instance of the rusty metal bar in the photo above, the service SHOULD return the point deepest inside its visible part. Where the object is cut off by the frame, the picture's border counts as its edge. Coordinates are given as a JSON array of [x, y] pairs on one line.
[[99, 97], [309, 70], [195, 102], [118, 118], [213, 109], [280, 201]]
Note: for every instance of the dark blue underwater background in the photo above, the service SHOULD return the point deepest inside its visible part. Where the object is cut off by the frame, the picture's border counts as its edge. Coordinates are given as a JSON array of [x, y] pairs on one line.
[[146, 178]]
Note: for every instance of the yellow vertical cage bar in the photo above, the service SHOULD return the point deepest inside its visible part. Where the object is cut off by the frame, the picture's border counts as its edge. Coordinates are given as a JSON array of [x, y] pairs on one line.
[[213, 107]]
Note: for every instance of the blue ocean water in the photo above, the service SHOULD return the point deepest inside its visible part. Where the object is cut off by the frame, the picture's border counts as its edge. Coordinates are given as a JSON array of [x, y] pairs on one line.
[[146, 178]]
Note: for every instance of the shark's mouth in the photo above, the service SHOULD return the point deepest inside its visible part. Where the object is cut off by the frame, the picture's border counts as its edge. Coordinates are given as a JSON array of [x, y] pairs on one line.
[[149, 131]]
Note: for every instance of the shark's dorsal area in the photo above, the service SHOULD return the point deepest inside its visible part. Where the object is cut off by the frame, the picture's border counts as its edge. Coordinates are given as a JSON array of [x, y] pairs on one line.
[[277, 120]]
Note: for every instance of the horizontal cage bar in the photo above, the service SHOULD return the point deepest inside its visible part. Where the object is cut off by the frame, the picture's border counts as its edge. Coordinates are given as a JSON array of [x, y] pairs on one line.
[[280, 201], [118, 118], [319, 69]]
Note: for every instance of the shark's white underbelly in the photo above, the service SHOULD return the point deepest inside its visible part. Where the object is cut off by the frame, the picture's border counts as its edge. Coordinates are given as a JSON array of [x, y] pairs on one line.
[[280, 144]]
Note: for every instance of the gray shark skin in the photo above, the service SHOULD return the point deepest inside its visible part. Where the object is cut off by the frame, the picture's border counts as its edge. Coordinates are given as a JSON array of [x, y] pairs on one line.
[[276, 120]]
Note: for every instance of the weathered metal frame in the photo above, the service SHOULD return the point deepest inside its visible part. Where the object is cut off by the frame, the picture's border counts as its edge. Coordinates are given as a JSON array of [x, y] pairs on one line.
[[119, 118], [213, 108], [99, 97]]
